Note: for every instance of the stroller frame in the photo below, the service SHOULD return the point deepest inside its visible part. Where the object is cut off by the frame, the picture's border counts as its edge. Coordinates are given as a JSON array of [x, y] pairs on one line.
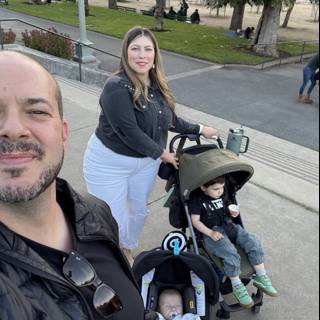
[[193, 242]]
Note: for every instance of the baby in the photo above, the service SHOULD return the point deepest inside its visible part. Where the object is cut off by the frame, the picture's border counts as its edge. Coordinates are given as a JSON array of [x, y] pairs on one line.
[[170, 306]]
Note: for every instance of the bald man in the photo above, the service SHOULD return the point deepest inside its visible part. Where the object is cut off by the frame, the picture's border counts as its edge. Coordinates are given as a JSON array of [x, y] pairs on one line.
[[59, 253]]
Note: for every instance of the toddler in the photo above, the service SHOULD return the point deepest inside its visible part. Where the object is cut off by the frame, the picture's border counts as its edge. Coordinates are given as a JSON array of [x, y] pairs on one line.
[[211, 216]]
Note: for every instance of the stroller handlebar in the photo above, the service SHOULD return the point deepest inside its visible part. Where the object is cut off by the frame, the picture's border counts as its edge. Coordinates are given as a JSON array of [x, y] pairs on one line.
[[191, 137]]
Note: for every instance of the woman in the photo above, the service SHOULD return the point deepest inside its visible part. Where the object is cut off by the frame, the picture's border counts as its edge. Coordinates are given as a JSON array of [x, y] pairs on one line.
[[123, 156]]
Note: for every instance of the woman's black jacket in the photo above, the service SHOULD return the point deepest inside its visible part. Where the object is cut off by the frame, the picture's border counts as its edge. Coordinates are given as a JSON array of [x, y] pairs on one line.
[[139, 130], [30, 289]]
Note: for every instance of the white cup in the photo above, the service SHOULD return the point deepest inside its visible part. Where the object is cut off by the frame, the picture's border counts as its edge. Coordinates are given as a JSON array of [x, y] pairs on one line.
[[233, 208]]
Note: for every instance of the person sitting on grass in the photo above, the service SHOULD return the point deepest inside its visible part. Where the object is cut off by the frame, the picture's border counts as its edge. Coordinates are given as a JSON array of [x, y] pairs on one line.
[[212, 217], [171, 14], [195, 17]]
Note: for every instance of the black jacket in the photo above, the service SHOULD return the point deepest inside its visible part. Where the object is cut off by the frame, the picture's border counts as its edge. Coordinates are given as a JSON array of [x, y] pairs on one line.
[[30, 289], [136, 131]]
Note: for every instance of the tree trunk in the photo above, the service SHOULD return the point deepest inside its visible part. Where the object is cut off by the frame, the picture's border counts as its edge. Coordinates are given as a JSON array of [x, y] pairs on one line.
[[159, 14], [86, 8], [237, 16], [265, 39], [218, 12], [112, 4], [286, 19]]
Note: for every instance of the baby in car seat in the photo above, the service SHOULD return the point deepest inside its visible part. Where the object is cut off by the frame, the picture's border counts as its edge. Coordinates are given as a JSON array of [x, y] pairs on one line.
[[170, 306]]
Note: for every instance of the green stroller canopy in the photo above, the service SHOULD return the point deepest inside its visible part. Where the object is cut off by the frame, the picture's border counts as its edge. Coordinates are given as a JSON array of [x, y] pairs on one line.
[[196, 170]]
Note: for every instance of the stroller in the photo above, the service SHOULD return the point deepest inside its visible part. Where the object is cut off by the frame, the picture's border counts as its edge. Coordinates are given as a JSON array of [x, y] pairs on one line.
[[198, 164], [172, 267]]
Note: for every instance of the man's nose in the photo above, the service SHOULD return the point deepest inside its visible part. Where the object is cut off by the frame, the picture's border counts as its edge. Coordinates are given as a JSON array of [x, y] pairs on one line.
[[13, 125]]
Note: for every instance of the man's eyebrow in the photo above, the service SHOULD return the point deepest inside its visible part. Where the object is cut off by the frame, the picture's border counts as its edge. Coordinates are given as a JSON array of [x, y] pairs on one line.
[[32, 101]]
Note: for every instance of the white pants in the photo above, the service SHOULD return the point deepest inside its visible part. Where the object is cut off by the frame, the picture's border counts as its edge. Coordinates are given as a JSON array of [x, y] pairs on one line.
[[124, 183]]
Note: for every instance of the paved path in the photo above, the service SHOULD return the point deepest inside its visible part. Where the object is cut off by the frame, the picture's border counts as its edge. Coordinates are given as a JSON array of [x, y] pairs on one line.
[[262, 100]]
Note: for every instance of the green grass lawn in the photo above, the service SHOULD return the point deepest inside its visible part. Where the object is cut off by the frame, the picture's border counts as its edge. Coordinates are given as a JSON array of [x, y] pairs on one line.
[[192, 40]]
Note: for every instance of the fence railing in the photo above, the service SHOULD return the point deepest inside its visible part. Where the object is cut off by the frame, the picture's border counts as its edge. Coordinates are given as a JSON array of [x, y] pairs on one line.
[[299, 50]]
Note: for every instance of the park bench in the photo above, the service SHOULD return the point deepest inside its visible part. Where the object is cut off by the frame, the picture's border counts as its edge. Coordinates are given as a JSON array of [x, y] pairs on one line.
[[126, 9], [147, 13], [184, 19]]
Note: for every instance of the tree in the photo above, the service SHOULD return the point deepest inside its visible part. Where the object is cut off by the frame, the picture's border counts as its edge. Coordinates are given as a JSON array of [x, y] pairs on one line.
[[315, 9], [159, 15], [238, 14], [112, 4], [288, 14], [265, 39], [86, 8], [216, 4]]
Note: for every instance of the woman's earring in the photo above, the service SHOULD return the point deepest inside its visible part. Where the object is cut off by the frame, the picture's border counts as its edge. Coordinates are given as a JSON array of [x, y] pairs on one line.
[[153, 66]]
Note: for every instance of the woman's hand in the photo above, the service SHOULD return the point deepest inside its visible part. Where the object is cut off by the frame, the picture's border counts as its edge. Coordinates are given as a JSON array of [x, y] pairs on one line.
[[210, 133], [168, 157]]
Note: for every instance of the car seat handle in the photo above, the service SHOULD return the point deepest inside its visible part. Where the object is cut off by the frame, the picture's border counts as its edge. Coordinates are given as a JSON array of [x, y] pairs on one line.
[[176, 248]]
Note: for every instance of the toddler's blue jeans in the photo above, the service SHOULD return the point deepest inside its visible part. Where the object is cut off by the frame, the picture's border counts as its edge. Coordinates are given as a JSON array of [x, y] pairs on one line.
[[227, 251]]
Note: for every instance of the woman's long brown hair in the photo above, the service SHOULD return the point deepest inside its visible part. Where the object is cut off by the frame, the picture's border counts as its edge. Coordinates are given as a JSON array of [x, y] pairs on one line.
[[156, 74]]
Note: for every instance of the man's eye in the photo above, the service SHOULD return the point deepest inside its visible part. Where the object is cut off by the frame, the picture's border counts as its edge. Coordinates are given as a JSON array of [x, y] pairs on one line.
[[38, 112]]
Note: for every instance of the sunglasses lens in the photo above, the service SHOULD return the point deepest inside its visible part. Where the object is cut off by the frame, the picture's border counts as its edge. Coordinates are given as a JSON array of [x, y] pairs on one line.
[[78, 270], [106, 301]]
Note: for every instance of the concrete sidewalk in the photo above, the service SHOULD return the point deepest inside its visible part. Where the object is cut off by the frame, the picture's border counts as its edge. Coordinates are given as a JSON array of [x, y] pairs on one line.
[[280, 203]]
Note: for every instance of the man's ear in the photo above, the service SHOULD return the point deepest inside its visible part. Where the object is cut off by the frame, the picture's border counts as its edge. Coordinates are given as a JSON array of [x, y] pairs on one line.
[[65, 133]]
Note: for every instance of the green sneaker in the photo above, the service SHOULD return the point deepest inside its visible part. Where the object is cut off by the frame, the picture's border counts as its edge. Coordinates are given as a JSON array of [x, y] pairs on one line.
[[242, 295], [264, 283]]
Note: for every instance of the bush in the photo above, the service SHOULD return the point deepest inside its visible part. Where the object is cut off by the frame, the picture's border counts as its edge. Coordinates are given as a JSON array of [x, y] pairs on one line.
[[7, 37], [49, 43]]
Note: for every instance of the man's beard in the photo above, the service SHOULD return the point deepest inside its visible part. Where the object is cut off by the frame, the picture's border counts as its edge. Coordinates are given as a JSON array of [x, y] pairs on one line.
[[17, 194]]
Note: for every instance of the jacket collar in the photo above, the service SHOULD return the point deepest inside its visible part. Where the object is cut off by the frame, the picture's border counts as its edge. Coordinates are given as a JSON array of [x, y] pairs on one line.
[[88, 220]]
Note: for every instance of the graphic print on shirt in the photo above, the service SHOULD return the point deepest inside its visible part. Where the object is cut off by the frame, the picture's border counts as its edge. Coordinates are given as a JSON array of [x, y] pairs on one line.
[[213, 205]]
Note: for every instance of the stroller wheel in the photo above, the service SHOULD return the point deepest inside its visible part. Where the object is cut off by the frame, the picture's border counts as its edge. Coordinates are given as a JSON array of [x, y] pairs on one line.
[[223, 314], [255, 309]]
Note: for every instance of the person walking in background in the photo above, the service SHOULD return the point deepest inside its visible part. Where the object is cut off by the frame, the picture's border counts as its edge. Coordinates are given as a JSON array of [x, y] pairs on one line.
[[122, 158], [309, 74], [195, 17], [59, 252], [184, 8]]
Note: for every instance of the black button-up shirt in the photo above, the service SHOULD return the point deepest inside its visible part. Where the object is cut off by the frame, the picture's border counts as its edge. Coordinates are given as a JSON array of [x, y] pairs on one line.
[[137, 130]]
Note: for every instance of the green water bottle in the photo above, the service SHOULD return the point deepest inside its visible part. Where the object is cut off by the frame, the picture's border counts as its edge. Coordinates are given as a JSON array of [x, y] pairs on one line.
[[236, 140]]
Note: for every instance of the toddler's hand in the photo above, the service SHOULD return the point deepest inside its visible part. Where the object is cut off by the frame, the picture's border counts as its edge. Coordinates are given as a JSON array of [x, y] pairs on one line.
[[216, 236], [234, 210]]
